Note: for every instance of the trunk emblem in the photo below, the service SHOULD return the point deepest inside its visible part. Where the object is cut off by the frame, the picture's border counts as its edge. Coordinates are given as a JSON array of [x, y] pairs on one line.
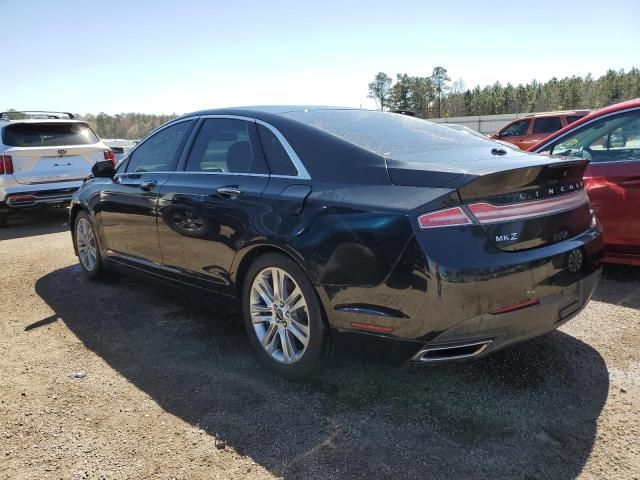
[[62, 151]]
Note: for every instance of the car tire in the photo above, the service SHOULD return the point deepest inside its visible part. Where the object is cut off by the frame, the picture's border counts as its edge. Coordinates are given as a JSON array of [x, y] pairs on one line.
[[4, 219], [289, 335], [87, 246]]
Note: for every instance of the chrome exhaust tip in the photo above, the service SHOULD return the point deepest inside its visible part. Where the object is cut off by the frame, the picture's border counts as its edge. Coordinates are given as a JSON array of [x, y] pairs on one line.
[[451, 352]]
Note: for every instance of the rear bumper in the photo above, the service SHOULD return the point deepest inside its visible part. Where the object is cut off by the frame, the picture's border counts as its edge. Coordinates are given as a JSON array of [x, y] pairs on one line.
[[492, 332], [443, 289], [21, 196]]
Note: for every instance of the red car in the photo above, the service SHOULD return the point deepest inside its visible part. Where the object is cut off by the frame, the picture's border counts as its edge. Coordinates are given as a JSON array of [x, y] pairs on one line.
[[610, 139]]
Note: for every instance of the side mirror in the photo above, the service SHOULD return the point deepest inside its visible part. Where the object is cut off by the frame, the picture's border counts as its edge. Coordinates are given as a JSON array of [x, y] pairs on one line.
[[103, 169]]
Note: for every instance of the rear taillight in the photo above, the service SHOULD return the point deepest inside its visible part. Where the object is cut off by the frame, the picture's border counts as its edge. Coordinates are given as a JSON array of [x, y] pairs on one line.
[[487, 213], [109, 155], [449, 217], [6, 165]]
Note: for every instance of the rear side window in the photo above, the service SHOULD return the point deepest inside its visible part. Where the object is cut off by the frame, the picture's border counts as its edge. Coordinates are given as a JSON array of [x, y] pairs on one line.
[[160, 152], [547, 125], [277, 157], [48, 134], [225, 145], [516, 129]]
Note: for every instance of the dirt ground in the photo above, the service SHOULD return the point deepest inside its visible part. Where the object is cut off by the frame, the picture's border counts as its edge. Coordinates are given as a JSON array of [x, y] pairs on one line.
[[119, 379]]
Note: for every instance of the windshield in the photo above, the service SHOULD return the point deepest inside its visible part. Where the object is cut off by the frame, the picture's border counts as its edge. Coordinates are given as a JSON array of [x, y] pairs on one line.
[[603, 139], [48, 134]]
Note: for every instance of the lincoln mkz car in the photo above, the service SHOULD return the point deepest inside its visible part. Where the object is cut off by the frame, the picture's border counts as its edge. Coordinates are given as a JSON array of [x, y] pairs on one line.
[[323, 221]]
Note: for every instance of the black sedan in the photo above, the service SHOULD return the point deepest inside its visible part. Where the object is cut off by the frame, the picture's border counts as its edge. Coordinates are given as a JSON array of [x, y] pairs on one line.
[[321, 221]]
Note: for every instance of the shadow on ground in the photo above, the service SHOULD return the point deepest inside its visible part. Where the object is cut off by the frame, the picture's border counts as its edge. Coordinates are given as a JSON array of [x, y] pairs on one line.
[[38, 221], [527, 412], [619, 285]]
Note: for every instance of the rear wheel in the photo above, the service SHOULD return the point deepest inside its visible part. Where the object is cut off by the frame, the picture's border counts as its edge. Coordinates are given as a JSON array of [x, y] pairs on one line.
[[283, 316], [87, 245]]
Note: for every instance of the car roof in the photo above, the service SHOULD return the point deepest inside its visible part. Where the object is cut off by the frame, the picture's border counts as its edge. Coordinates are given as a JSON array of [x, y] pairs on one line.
[[616, 107], [557, 113], [260, 111]]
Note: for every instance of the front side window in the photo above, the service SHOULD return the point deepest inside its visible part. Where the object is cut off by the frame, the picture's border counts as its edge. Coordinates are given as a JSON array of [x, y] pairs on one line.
[[224, 145], [516, 129], [573, 118], [547, 125], [613, 138], [160, 152]]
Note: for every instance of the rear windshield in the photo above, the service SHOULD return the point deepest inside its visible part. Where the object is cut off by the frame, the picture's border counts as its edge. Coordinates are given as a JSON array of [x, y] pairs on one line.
[[48, 134], [391, 135]]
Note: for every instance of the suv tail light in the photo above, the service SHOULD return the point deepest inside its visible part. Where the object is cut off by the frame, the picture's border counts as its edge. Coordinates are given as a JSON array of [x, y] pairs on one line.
[[449, 217], [109, 155], [6, 165]]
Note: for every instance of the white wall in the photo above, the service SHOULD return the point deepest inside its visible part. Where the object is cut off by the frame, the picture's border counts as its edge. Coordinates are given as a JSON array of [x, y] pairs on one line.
[[486, 124]]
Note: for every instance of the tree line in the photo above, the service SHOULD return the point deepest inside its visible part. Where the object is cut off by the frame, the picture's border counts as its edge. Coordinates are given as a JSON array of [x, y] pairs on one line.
[[436, 96], [125, 125]]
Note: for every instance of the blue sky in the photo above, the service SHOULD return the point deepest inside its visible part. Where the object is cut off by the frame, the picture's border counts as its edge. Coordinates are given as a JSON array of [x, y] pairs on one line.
[[161, 57]]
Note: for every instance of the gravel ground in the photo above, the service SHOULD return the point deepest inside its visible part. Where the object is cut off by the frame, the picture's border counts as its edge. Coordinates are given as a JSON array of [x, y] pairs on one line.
[[165, 388]]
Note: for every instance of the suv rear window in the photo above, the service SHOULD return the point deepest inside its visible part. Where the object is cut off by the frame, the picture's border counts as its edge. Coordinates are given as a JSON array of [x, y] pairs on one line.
[[48, 134], [547, 125]]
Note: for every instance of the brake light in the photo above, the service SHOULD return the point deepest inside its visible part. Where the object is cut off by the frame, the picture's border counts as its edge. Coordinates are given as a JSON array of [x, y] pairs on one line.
[[109, 155], [6, 165], [449, 217], [487, 213]]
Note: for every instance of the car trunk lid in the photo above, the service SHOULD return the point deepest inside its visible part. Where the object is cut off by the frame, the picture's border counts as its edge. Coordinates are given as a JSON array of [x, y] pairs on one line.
[[519, 200], [52, 151], [54, 164]]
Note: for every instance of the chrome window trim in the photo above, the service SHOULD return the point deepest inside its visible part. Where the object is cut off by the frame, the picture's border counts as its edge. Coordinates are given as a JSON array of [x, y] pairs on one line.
[[632, 109], [303, 174]]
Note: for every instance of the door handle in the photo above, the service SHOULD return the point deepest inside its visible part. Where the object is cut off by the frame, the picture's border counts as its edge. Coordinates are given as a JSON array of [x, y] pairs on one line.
[[148, 185], [229, 192]]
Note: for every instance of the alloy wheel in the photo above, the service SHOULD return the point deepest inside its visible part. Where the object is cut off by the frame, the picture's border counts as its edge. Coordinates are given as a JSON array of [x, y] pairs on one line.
[[86, 244], [280, 315], [187, 221]]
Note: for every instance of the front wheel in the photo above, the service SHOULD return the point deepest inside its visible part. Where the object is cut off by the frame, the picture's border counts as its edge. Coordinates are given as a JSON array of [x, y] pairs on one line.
[[283, 316], [87, 245]]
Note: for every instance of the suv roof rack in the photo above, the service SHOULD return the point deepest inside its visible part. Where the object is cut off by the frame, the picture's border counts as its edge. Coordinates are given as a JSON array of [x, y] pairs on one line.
[[34, 114]]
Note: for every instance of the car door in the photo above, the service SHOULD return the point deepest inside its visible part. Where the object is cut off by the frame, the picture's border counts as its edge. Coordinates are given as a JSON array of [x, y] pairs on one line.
[[612, 179], [541, 129], [208, 209], [127, 210], [516, 132]]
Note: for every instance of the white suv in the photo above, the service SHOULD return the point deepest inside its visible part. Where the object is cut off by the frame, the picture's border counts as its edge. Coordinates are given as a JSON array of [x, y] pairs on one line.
[[44, 157]]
